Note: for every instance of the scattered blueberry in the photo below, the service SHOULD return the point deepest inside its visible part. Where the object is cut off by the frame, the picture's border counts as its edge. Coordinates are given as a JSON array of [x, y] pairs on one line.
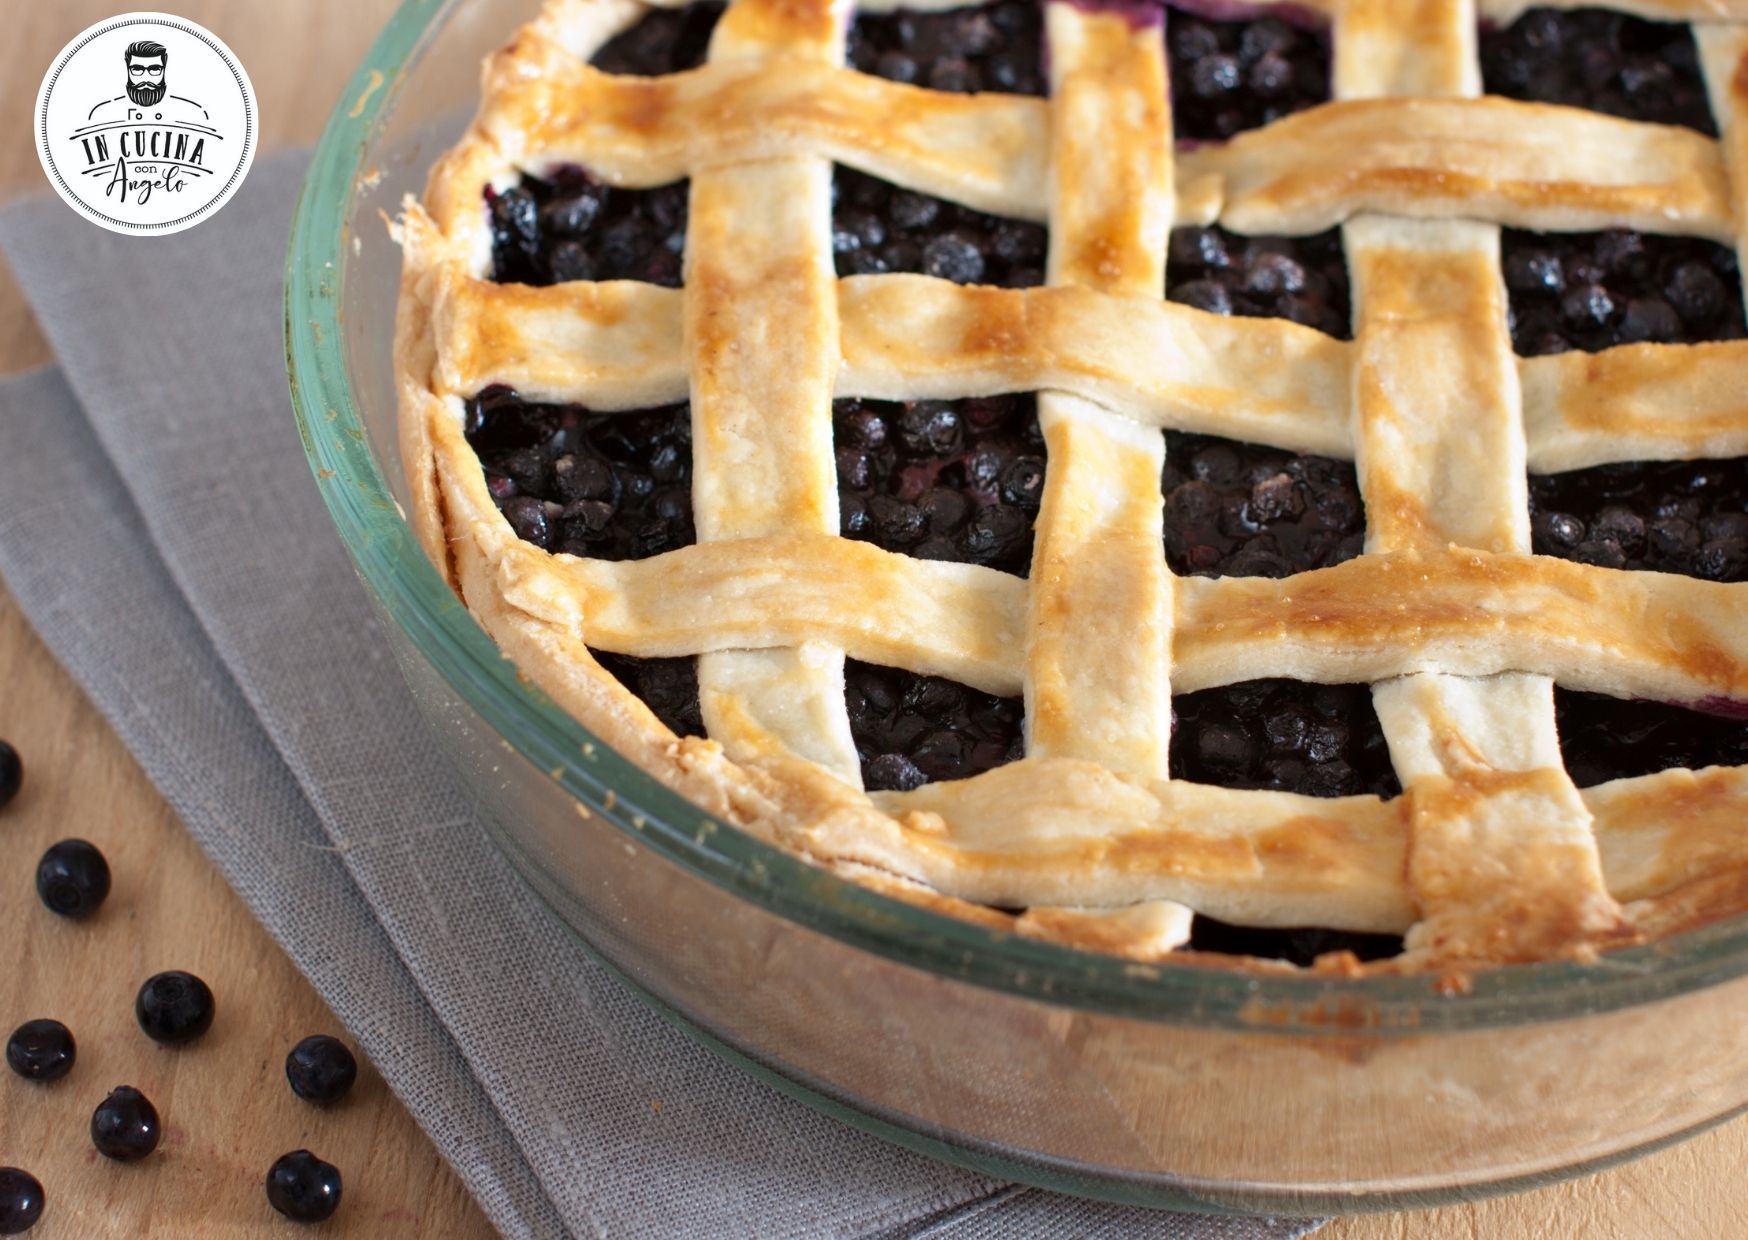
[[321, 1069], [1284, 736], [878, 228], [1604, 738], [41, 1050], [20, 1201], [73, 879], [942, 479], [1241, 510], [174, 1007], [910, 729], [1601, 60], [1592, 291], [1688, 517], [125, 1125], [662, 41], [303, 1187], [1303, 279], [1229, 76], [11, 773], [993, 47]]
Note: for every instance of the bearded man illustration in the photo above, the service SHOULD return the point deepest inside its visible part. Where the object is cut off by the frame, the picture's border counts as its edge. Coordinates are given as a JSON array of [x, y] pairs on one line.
[[148, 96], [146, 62]]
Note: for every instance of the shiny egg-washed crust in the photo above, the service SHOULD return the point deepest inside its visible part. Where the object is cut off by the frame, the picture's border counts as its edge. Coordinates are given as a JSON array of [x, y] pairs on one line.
[[1491, 855]]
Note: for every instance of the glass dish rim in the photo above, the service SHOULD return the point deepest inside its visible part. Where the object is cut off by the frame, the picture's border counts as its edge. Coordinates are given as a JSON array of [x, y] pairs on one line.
[[393, 567]]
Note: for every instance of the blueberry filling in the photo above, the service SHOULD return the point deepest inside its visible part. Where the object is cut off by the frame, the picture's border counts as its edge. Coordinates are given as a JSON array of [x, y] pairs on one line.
[[1592, 291], [1600, 60], [911, 729], [1303, 279], [669, 687], [1282, 736], [879, 228], [1227, 77], [994, 47], [1296, 945], [1604, 738], [569, 226], [1242, 510], [608, 486], [942, 479], [663, 41], [1687, 517]]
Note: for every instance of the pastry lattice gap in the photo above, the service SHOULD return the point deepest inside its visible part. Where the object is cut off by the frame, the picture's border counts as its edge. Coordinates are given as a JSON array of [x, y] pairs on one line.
[[1247, 940]]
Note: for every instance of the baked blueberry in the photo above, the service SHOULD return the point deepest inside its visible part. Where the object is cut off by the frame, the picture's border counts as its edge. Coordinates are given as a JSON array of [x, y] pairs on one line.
[[565, 225], [72, 879], [1300, 945], [1242, 510], [910, 729], [41, 1050], [1687, 517], [1283, 736], [661, 41], [1602, 60], [11, 773], [303, 1187], [942, 479], [607, 486], [1593, 291], [21, 1201], [669, 687], [1303, 279], [988, 47], [125, 1125], [321, 1069], [1604, 738], [174, 1007], [1229, 76], [879, 229]]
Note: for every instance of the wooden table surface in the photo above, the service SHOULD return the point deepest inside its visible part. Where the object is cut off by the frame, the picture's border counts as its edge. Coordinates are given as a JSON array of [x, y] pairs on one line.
[[227, 1112]]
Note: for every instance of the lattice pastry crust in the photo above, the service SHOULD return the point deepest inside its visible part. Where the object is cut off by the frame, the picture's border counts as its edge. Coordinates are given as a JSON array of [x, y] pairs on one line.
[[1492, 854]]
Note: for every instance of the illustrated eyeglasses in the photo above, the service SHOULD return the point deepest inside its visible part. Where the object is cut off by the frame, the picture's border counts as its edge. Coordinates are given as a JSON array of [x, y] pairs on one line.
[[143, 70]]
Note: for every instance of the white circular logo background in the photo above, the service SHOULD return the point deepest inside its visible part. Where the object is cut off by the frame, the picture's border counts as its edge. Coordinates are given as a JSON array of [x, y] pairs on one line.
[[146, 124]]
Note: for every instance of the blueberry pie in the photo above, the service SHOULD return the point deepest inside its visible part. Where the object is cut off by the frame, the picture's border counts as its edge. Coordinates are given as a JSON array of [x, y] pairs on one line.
[[1246, 483]]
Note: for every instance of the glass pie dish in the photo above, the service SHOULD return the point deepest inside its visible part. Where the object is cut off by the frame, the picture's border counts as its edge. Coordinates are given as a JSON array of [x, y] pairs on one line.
[[1199, 1087]]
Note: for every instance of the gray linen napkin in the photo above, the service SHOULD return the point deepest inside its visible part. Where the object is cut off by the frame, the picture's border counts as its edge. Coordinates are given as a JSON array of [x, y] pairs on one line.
[[158, 525]]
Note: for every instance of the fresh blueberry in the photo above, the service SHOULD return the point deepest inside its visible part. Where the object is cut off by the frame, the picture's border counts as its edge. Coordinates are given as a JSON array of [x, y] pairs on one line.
[[303, 1187], [11, 773], [72, 879], [21, 1201], [41, 1050], [174, 1007], [321, 1069], [125, 1125]]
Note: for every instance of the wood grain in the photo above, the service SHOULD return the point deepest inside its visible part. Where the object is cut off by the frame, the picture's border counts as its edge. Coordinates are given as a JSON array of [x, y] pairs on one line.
[[226, 1109]]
